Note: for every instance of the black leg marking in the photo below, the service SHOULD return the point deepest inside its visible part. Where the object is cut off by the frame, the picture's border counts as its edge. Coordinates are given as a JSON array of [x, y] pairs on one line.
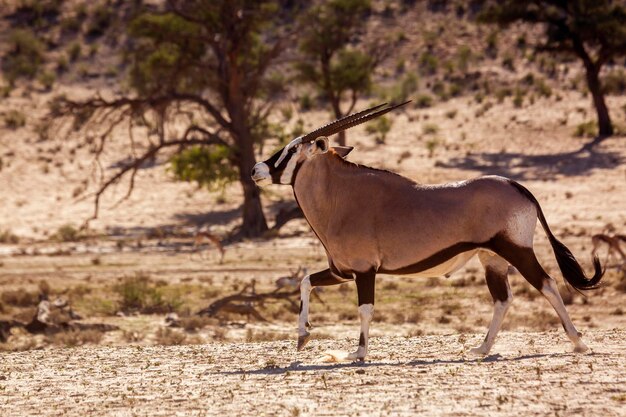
[[325, 278], [365, 286], [362, 340], [497, 284], [523, 259]]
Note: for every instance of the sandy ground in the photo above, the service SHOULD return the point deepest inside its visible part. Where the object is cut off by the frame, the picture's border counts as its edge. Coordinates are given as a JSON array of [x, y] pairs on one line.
[[427, 375]]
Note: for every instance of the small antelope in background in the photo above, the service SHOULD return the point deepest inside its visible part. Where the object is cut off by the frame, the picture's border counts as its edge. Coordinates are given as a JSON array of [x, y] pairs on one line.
[[372, 221], [613, 242]]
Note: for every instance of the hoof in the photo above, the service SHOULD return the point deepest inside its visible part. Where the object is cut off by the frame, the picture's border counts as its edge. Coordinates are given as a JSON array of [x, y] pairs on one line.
[[303, 340], [478, 351], [580, 347]]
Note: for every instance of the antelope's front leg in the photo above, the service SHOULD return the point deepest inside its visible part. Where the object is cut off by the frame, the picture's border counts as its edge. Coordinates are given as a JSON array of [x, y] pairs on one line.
[[318, 279], [365, 285], [303, 318]]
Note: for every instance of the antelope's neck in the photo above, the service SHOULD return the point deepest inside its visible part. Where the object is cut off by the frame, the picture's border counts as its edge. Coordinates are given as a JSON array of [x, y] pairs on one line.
[[316, 188]]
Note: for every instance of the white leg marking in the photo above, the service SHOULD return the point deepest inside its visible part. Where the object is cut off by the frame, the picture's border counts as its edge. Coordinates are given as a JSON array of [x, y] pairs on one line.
[[366, 312], [500, 266], [551, 292], [499, 310], [303, 318]]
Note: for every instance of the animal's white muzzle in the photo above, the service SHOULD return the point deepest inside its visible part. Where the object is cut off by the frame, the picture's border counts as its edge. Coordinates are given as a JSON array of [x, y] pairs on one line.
[[261, 174]]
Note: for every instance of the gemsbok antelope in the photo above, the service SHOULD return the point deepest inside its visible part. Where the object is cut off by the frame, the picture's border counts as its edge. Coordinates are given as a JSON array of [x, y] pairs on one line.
[[372, 221]]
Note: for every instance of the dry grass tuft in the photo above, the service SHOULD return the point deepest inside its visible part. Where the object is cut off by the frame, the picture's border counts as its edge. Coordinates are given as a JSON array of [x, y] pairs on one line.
[[20, 298], [169, 337], [264, 336], [76, 338], [194, 323]]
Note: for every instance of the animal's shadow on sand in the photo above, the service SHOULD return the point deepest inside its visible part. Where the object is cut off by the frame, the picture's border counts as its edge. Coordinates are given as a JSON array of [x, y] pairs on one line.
[[520, 166], [418, 363]]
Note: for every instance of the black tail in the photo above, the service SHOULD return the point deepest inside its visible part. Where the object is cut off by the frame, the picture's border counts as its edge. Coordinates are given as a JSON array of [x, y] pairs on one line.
[[570, 268]]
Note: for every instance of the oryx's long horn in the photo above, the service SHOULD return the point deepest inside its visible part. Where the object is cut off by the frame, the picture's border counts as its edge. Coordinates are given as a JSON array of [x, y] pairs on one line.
[[351, 121], [324, 130]]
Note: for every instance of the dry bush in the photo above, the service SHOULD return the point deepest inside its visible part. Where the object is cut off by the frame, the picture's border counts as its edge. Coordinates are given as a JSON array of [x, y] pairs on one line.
[[264, 336], [621, 284], [414, 317], [6, 236], [526, 291], [398, 318], [67, 233], [347, 315], [19, 298], [444, 319], [169, 337], [390, 286], [21, 345], [133, 336], [76, 337], [194, 323]]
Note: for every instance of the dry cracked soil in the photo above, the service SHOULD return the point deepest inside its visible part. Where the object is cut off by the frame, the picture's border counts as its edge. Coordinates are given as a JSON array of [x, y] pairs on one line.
[[529, 373]]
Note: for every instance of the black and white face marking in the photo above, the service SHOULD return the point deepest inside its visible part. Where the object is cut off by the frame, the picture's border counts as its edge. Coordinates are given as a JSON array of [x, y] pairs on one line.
[[281, 167]]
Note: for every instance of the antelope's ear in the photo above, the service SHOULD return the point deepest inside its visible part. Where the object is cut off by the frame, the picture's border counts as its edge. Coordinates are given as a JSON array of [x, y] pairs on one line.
[[342, 151], [321, 145]]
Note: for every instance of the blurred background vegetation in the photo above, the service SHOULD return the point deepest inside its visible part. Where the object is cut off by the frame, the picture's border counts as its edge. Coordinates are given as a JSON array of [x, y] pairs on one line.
[[204, 83]]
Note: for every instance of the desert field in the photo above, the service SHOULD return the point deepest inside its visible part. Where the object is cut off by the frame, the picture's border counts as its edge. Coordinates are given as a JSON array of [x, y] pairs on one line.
[[138, 313]]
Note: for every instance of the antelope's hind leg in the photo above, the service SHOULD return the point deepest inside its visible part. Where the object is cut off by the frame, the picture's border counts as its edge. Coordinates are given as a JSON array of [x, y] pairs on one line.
[[525, 260], [318, 279], [496, 269]]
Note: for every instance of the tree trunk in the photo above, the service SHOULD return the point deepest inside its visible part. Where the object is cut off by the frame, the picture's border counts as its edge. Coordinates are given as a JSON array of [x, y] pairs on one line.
[[605, 127], [341, 136], [254, 224]]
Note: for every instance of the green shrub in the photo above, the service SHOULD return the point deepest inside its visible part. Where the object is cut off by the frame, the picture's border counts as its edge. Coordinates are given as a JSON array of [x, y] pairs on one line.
[[208, 166], [586, 129], [14, 119], [380, 128], [67, 233], [305, 102], [455, 89], [464, 56], [428, 63], [62, 64], [508, 63], [24, 57], [404, 88], [542, 88], [431, 145], [138, 293], [100, 21], [47, 79], [518, 99], [492, 44], [74, 51], [423, 101], [430, 129], [614, 82], [70, 24]]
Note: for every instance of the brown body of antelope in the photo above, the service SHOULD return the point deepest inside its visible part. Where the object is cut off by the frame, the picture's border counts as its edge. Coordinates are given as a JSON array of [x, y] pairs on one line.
[[373, 222]]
